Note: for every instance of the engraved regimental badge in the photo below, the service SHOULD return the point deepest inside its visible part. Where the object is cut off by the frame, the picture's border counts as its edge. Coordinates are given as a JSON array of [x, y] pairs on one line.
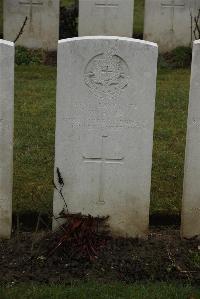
[[106, 75]]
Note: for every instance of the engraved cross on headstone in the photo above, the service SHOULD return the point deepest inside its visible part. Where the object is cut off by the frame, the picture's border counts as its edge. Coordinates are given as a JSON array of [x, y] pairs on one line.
[[31, 4], [172, 5], [103, 161], [105, 4]]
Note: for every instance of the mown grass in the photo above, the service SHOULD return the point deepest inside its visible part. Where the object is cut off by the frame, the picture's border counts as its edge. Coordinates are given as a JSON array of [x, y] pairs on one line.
[[101, 291], [169, 140], [66, 2], [34, 138], [1, 17], [138, 17]]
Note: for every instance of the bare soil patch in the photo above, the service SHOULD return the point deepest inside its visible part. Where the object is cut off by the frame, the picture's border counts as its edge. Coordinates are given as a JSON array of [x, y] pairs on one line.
[[163, 257]]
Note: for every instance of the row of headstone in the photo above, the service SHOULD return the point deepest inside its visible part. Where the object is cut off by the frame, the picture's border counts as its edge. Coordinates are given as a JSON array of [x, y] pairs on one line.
[[106, 90], [169, 23], [172, 23], [35, 23]]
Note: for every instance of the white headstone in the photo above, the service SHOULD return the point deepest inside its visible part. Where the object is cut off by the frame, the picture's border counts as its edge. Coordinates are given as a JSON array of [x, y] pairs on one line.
[[191, 190], [170, 23], [41, 19], [104, 129], [6, 135], [106, 17]]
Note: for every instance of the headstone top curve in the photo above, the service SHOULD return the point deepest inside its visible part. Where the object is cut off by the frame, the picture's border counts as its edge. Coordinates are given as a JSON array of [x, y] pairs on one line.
[[196, 42], [6, 42], [100, 37]]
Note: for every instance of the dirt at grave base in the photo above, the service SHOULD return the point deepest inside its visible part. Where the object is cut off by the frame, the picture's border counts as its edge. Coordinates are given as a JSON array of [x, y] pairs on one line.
[[162, 257]]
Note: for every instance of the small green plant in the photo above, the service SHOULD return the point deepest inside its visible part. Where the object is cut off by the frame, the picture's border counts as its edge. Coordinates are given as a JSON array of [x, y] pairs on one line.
[[24, 56], [178, 58], [195, 259], [181, 57], [69, 20]]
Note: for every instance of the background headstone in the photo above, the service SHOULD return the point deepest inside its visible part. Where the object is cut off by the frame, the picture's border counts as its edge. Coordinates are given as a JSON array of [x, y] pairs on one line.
[[41, 28], [104, 129], [106, 17], [6, 135], [191, 190], [170, 23]]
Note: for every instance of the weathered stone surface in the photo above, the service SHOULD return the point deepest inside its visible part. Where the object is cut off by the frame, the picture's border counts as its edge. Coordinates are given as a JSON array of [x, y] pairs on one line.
[[106, 17], [104, 129], [41, 28], [168, 22], [6, 135], [191, 190]]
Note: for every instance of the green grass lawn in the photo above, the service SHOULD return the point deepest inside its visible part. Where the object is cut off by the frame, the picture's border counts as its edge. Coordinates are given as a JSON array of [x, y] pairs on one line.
[[1, 17], [34, 138], [100, 291], [169, 140], [66, 2], [138, 17]]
